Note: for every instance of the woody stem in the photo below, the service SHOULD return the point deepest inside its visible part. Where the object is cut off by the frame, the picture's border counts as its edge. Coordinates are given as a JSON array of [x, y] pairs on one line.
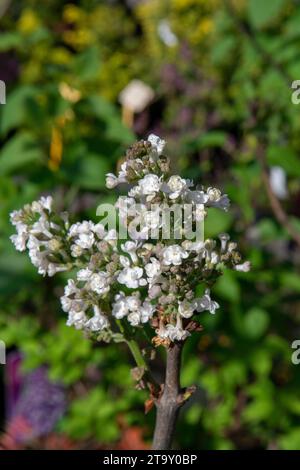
[[167, 406]]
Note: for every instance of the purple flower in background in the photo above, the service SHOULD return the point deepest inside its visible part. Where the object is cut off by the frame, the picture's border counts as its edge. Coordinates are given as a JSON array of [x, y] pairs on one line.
[[9, 67], [171, 78], [41, 403]]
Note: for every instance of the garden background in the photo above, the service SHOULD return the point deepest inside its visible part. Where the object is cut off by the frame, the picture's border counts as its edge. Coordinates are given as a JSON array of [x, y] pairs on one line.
[[220, 74]]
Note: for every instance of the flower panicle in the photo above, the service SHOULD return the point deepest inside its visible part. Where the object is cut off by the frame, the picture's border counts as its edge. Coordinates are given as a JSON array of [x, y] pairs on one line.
[[138, 281]]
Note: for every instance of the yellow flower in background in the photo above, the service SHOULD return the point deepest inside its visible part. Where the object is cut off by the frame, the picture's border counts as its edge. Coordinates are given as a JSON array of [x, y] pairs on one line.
[[69, 93], [79, 38], [56, 149], [28, 22], [72, 13], [60, 55], [185, 4], [204, 28], [57, 144]]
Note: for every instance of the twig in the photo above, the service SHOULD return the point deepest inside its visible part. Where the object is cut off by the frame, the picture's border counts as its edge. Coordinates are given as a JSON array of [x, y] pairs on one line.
[[280, 214], [170, 401]]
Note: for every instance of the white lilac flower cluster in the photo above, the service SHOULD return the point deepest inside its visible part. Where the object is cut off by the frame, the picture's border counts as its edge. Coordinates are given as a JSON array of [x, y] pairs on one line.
[[141, 280], [42, 234]]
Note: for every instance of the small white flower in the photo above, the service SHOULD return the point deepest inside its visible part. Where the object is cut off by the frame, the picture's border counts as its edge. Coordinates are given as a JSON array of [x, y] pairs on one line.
[[124, 261], [162, 332], [146, 311], [193, 246], [111, 181], [120, 306], [126, 208], [245, 267], [16, 218], [135, 192], [157, 143], [154, 292], [200, 212], [73, 305], [46, 202], [133, 302], [77, 319], [111, 237], [151, 220], [174, 254], [53, 268], [98, 321], [99, 230], [149, 185], [224, 238], [76, 251], [177, 332], [43, 203], [136, 96], [132, 277], [84, 274], [122, 176], [278, 181], [134, 318], [176, 186], [217, 199], [100, 282], [20, 239], [206, 303], [81, 227], [42, 226], [198, 197], [166, 34], [186, 309], [130, 247], [71, 287], [153, 269], [214, 257], [85, 240]]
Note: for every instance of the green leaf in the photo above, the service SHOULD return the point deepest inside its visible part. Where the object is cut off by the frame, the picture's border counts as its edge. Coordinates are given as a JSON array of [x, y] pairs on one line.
[[261, 362], [285, 157], [258, 410], [18, 152], [87, 64], [91, 171], [228, 287], [10, 40], [262, 12], [115, 129], [14, 112], [256, 322], [217, 222], [208, 139], [268, 230], [290, 441], [290, 280]]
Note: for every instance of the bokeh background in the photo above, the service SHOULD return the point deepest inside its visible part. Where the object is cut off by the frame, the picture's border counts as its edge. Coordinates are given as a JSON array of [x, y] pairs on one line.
[[220, 75]]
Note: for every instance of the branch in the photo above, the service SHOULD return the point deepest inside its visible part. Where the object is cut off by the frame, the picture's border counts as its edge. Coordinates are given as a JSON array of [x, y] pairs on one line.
[[170, 401], [279, 212], [275, 204]]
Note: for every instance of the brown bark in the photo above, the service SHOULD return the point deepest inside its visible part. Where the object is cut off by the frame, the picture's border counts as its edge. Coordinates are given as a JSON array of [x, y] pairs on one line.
[[168, 404]]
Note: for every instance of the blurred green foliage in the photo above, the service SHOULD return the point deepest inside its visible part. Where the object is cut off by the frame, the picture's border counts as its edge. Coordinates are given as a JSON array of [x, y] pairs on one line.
[[223, 96]]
